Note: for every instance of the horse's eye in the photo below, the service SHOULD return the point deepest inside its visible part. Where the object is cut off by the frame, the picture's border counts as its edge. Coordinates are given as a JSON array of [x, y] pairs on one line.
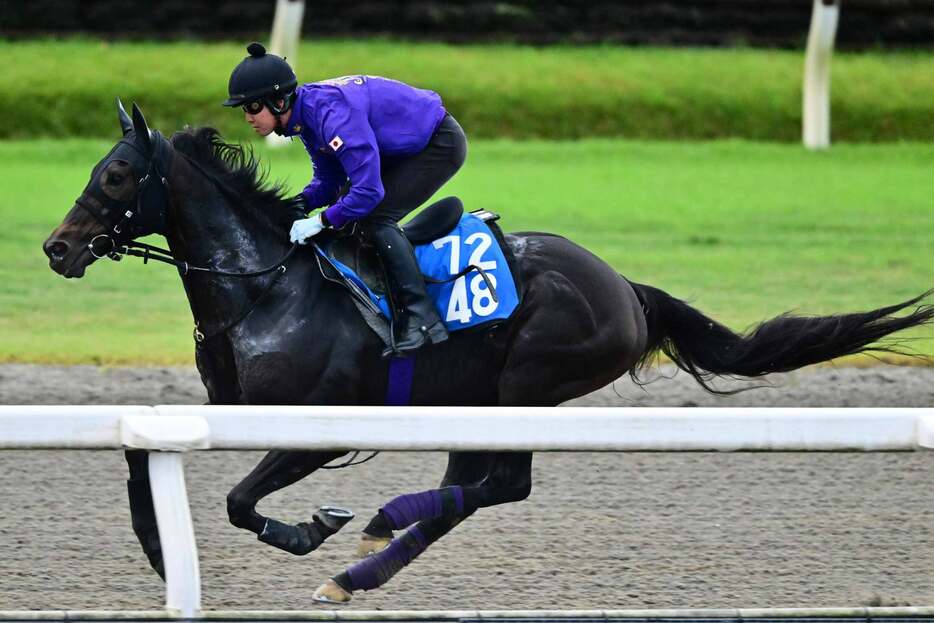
[[116, 182]]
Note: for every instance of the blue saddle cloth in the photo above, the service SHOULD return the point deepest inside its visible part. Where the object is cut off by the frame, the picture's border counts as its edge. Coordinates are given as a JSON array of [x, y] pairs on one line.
[[465, 302]]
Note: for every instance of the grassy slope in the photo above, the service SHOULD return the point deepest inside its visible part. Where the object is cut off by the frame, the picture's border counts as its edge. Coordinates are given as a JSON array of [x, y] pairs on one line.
[[495, 90], [743, 230]]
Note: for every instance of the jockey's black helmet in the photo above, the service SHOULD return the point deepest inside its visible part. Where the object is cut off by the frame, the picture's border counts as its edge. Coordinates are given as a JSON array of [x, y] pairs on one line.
[[264, 77]]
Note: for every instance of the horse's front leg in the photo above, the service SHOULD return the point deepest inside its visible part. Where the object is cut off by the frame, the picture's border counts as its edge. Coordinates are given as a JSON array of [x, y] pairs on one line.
[[142, 511], [279, 469]]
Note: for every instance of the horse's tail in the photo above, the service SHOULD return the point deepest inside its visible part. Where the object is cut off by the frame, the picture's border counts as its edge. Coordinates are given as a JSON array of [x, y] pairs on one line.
[[704, 348]]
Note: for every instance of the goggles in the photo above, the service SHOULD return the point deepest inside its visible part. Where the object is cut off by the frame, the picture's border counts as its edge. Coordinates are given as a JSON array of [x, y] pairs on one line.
[[253, 107]]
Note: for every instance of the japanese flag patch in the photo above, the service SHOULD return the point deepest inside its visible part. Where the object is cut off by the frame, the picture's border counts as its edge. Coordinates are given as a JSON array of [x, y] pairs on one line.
[[336, 143]]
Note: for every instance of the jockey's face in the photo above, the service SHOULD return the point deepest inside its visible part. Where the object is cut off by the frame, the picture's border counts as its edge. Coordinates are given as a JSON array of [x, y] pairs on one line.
[[264, 122]]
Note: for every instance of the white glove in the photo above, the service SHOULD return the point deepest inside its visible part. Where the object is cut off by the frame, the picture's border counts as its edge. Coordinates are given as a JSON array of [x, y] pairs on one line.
[[305, 228]]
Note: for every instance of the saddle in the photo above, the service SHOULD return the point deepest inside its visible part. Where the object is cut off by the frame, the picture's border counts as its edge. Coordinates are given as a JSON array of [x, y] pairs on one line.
[[346, 258]]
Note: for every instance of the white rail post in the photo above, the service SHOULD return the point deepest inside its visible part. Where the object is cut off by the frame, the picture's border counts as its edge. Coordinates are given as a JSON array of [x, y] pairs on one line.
[[176, 534], [286, 35], [167, 437], [926, 432], [816, 105]]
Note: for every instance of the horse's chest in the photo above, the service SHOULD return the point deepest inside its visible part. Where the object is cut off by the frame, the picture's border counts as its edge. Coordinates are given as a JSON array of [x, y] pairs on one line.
[[286, 376]]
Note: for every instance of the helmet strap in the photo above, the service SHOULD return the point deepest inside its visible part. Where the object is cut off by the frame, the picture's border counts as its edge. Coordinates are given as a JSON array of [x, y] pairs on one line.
[[277, 111], [271, 103], [279, 129]]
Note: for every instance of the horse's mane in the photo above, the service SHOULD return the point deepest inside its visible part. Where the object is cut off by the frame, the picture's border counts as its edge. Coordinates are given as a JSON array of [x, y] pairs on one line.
[[239, 169]]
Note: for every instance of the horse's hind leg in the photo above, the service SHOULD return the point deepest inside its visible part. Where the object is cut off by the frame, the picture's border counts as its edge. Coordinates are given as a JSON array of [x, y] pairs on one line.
[[445, 504], [508, 479], [573, 337], [464, 468], [277, 470]]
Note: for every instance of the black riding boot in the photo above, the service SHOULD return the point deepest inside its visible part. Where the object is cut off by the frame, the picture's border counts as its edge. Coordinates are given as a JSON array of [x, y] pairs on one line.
[[415, 319]]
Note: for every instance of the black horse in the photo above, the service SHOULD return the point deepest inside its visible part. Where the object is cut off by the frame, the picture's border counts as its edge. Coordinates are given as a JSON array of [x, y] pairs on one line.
[[292, 337]]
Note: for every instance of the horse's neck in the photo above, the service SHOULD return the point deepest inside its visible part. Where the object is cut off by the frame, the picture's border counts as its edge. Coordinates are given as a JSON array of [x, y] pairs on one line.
[[206, 230]]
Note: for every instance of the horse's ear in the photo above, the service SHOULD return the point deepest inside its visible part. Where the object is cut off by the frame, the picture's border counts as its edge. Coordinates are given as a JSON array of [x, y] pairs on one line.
[[143, 136], [126, 124]]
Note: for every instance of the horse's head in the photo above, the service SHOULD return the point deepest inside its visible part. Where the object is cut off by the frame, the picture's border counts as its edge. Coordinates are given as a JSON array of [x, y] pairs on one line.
[[125, 198]]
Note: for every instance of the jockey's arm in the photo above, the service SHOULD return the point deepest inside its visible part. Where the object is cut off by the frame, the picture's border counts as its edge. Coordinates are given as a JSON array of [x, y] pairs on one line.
[[353, 143], [325, 187]]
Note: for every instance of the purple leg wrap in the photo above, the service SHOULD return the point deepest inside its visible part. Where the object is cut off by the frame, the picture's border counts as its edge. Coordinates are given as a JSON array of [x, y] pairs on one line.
[[375, 570], [406, 509]]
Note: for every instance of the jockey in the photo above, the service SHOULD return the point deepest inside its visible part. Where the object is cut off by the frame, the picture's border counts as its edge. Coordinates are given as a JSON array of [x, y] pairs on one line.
[[380, 148]]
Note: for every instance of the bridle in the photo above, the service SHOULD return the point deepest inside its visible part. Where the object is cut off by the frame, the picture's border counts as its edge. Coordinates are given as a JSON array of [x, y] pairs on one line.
[[151, 216], [151, 210]]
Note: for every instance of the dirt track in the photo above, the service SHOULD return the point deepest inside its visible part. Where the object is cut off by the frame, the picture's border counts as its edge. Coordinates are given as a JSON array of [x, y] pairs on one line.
[[600, 530]]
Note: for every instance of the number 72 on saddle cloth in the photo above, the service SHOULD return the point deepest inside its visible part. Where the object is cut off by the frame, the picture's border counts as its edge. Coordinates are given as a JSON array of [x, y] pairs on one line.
[[467, 302]]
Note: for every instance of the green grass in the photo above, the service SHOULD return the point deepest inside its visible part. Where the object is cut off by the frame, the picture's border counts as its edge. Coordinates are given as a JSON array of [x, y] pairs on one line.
[[62, 88], [742, 230]]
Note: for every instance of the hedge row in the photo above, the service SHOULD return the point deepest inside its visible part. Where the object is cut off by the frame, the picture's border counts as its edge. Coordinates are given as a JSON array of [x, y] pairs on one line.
[[783, 23], [67, 88]]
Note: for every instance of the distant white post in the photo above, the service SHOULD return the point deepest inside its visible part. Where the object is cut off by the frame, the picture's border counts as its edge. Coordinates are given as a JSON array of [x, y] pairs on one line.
[[287, 29], [286, 35], [816, 113]]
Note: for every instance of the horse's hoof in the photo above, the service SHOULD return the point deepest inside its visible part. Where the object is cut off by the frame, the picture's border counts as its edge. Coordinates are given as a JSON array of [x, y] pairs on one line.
[[369, 545], [334, 517], [331, 593]]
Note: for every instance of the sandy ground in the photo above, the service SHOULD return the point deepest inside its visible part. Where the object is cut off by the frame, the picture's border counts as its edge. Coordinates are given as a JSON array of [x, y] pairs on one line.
[[600, 530]]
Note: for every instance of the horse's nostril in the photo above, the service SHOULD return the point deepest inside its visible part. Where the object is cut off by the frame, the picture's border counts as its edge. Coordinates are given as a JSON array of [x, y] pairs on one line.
[[56, 249]]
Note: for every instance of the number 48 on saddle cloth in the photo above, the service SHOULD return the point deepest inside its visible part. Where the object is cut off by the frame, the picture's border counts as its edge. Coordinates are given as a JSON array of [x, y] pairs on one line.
[[465, 302]]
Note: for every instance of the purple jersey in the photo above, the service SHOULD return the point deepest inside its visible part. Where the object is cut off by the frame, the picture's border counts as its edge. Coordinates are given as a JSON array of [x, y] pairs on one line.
[[348, 125]]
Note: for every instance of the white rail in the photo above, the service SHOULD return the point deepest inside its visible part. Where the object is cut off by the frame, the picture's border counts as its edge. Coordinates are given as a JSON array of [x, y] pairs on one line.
[[170, 430], [585, 429], [906, 614]]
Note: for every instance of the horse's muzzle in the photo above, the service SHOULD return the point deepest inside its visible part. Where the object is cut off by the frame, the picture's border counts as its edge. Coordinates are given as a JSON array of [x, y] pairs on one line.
[[56, 250], [64, 258]]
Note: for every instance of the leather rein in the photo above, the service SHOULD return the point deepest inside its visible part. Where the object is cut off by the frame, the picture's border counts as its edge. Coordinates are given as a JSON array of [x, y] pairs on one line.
[[150, 252]]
